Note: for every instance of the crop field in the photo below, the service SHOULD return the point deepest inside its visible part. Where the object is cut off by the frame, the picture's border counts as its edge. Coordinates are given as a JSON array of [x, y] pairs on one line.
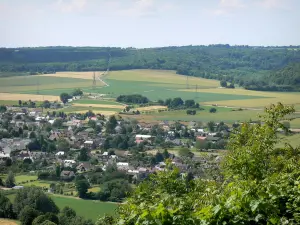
[[154, 84], [87, 208], [222, 114], [266, 98]]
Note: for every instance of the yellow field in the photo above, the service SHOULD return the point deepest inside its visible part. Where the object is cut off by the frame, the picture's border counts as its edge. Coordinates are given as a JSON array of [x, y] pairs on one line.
[[26, 97], [99, 106], [150, 108], [78, 75], [7, 222], [289, 98]]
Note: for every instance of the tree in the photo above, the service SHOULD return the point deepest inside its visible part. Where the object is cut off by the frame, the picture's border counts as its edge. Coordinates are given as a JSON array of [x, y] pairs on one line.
[[185, 152], [211, 126], [82, 187], [83, 155], [223, 83], [259, 184], [77, 92], [231, 85], [3, 108], [6, 208], [212, 110], [20, 103], [35, 198], [10, 180], [27, 215], [57, 123], [63, 145], [64, 97]]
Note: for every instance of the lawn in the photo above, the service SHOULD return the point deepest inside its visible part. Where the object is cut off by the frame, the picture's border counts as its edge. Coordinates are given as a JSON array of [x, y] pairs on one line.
[[87, 208], [23, 178]]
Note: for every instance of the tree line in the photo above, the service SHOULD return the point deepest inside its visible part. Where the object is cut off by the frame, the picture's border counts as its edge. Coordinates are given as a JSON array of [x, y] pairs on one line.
[[244, 65]]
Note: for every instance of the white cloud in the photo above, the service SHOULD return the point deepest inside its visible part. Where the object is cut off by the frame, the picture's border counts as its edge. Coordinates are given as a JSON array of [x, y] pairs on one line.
[[139, 8], [275, 4], [227, 7], [70, 5]]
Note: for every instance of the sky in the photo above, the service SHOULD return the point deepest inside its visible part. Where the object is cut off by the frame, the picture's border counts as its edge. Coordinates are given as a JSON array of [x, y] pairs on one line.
[[148, 23]]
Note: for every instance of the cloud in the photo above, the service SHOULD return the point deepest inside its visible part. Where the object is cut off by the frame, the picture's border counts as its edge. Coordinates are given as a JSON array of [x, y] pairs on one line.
[[275, 4], [227, 7], [141, 8], [70, 5]]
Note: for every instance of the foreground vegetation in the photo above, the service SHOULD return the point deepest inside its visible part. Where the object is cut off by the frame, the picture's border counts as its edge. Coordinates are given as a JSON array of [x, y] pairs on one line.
[[257, 184]]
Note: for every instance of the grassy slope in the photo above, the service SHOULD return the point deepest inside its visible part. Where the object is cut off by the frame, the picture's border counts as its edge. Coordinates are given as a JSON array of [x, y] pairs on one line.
[[87, 208]]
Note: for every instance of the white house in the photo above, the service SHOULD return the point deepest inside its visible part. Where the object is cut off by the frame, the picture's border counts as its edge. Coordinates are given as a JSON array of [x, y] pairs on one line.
[[60, 153], [69, 163]]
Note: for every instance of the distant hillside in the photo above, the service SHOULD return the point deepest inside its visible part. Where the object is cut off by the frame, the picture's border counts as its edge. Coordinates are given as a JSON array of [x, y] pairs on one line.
[[259, 68]]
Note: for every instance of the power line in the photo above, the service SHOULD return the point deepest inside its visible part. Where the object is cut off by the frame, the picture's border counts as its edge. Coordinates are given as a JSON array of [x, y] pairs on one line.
[[196, 91]]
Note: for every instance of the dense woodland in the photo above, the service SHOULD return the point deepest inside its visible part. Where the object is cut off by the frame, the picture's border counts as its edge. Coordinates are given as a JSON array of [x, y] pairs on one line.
[[256, 68]]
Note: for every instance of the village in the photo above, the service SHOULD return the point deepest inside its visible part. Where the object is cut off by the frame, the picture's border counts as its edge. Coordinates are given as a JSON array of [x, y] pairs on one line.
[[59, 148]]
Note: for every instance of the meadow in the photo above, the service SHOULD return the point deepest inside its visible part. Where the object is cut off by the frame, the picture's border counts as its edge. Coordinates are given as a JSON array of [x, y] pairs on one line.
[[89, 209]]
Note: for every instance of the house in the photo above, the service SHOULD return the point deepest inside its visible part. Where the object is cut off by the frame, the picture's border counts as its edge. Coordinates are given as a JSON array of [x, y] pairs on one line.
[[61, 153], [124, 166], [84, 167], [69, 163], [88, 144], [201, 138], [67, 175]]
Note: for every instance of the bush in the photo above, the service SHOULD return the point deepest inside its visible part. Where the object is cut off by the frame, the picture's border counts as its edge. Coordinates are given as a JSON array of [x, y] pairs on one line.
[[213, 110]]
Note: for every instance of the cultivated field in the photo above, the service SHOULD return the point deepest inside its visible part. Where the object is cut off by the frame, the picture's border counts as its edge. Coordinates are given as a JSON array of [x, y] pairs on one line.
[[154, 84], [26, 97]]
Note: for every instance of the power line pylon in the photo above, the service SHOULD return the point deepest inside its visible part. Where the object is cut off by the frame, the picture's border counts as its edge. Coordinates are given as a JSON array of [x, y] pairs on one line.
[[94, 80], [187, 82], [196, 91]]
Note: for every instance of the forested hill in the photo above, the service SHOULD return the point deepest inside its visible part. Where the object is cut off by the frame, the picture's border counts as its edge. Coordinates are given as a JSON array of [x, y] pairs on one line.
[[258, 68]]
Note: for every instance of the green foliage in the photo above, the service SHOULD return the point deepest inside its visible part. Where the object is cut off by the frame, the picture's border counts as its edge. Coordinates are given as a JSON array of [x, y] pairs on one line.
[[77, 92], [64, 97], [82, 187], [132, 99], [83, 155], [259, 184], [35, 198], [27, 215], [6, 208], [185, 152], [212, 110], [10, 180]]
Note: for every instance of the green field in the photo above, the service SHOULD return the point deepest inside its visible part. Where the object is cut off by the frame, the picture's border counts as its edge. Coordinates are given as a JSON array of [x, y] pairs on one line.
[[87, 208], [45, 85], [222, 114], [154, 84], [293, 140]]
